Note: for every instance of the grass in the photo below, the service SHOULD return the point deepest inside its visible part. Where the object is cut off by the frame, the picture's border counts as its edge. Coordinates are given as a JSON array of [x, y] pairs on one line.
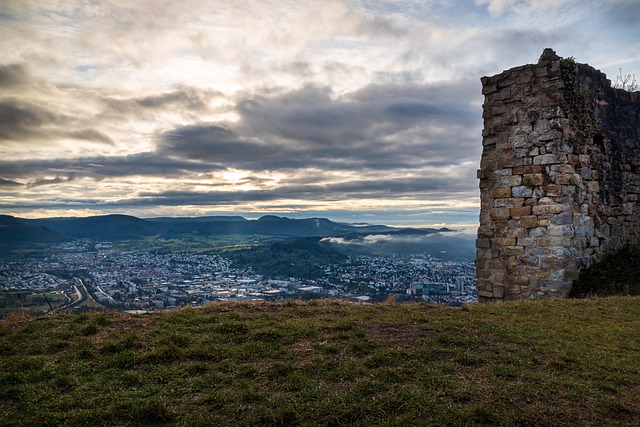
[[561, 363]]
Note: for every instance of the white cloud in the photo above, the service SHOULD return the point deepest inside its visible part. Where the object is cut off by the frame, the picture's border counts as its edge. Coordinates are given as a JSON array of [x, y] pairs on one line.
[[326, 105]]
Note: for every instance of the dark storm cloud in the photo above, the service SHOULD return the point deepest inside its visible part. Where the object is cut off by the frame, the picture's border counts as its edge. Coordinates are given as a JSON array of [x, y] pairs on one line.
[[91, 135], [208, 143], [438, 188], [24, 121], [52, 181], [14, 75], [98, 168], [9, 183], [182, 97], [36, 110], [398, 138], [379, 128], [20, 120]]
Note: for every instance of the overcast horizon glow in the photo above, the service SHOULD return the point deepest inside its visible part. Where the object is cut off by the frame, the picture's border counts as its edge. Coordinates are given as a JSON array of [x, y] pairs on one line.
[[355, 110]]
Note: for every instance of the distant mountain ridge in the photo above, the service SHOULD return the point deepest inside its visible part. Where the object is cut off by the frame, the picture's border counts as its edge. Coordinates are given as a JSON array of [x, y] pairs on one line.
[[17, 231]]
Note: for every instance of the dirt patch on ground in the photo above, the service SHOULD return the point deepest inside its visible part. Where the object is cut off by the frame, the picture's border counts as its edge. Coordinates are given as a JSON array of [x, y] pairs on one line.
[[400, 335]]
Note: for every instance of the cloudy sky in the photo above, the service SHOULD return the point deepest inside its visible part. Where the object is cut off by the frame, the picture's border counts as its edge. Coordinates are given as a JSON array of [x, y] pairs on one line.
[[355, 110]]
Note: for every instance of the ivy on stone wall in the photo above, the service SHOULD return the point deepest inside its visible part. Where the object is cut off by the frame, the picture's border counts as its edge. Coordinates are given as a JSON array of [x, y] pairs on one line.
[[579, 100]]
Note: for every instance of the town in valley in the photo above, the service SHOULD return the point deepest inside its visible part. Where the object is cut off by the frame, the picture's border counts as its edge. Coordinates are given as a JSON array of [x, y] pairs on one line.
[[82, 272]]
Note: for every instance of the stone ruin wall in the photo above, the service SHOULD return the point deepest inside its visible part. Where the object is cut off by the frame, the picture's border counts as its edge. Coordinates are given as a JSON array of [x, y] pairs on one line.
[[559, 177]]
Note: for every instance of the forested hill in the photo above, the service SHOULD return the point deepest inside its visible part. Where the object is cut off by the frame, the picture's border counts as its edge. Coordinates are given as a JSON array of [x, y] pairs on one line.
[[125, 227]]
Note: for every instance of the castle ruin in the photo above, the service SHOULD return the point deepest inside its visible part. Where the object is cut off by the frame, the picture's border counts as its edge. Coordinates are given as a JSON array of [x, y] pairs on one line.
[[559, 177]]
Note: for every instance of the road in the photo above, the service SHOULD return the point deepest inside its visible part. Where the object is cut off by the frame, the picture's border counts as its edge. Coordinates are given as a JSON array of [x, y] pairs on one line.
[[81, 292]]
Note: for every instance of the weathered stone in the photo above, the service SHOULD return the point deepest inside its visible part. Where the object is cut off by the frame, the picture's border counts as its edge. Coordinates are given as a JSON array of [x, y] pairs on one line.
[[549, 159], [529, 221], [483, 243], [501, 193], [503, 172], [513, 202], [561, 169], [499, 213], [554, 190], [548, 208], [508, 181], [485, 294], [560, 230], [513, 250], [506, 241], [521, 191], [533, 180], [520, 212], [498, 291]]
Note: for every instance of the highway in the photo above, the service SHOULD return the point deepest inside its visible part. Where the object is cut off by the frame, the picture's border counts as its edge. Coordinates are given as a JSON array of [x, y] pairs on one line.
[[80, 292]]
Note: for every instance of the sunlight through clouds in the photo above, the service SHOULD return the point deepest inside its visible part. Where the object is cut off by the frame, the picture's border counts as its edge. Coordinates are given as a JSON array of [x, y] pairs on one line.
[[346, 107]]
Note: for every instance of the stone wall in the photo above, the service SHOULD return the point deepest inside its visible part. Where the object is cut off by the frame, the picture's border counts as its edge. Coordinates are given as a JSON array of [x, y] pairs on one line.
[[559, 177]]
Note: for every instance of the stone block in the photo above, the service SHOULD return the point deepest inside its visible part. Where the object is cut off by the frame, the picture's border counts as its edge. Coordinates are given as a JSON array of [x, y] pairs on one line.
[[513, 202], [526, 241], [529, 260], [561, 169], [499, 213], [516, 231], [537, 231], [495, 264], [500, 193], [554, 190], [485, 294], [518, 141], [560, 230], [533, 180], [503, 172], [483, 274], [529, 221], [513, 250], [520, 211], [498, 276], [498, 291], [550, 159], [508, 181], [506, 241], [525, 170], [565, 219], [546, 209], [593, 186], [553, 241], [483, 243], [562, 179], [585, 173], [521, 191], [541, 125], [485, 232]]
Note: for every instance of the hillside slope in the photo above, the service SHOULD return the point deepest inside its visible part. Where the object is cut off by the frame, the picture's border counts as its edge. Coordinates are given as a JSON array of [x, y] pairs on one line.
[[561, 363]]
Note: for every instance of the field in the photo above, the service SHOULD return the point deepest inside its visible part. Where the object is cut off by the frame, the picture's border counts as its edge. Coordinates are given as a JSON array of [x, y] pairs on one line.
[[561, 363], [29, 302]]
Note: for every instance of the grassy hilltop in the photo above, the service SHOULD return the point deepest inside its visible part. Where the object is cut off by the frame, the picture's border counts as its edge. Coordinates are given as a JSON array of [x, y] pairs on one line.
[[569, 362]]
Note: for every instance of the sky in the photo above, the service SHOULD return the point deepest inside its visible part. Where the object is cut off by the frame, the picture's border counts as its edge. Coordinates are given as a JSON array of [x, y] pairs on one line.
[[355, 110]]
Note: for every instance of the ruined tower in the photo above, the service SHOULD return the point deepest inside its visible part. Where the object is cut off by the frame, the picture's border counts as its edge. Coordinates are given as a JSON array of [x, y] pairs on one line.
[[559, 177]]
